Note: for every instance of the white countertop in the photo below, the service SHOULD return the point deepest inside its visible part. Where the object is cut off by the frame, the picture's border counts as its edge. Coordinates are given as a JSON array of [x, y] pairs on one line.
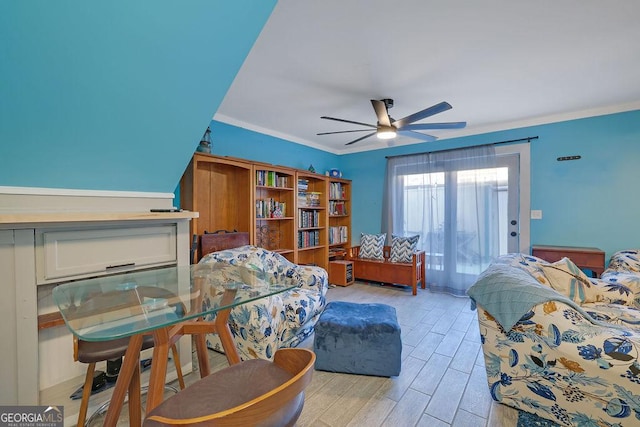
[[62, 217]]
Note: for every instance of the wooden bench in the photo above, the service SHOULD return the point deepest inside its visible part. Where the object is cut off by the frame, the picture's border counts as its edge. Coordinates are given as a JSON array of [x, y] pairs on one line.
[[385, 271]]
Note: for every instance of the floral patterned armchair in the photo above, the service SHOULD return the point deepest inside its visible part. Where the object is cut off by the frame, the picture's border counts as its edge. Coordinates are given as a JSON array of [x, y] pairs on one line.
[[261, 327], [561, 345]]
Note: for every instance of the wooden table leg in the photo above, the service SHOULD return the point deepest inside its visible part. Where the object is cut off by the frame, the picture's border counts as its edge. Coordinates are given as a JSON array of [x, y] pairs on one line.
[[224, 332], [158, 373], [135, 401], [202, 353], [220, 326], [127, 372]]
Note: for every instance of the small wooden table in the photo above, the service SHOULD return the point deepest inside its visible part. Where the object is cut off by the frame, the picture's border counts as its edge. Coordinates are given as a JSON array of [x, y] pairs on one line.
[[128, 313], [341, 272], [585, 258]]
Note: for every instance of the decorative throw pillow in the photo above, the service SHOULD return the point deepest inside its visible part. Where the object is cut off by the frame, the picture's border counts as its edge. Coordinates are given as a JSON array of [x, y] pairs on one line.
[[619, 288], [567, 278], [371, 246], [402, 248]]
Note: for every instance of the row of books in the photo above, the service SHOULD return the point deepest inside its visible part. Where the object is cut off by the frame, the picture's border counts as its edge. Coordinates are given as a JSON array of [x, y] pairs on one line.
[[270, 208], [271, 179], [337, 252], [339, 234], [309, 199], [307, 219], [307, 239], [337, 191], [303, 184], [337, 208]]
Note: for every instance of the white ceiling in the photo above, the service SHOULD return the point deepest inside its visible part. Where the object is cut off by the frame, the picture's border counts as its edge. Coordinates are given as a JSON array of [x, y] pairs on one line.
[[500, 63]]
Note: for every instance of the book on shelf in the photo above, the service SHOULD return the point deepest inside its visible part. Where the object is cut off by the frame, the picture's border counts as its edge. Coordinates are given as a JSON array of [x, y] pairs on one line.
[[270, 208], [336, 191], [271, 179], [313, 198], [337, 208], [308, 219], [338, 234], [307, 239], [309, 199], [302, 199], [337, 252]]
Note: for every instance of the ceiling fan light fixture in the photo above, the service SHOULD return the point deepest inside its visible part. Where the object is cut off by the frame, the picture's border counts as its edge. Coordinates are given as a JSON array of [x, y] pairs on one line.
[[386, 132], [387, 128]]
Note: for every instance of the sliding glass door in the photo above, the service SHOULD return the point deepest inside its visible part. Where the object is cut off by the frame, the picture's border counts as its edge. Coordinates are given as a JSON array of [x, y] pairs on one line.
[[466, 213]]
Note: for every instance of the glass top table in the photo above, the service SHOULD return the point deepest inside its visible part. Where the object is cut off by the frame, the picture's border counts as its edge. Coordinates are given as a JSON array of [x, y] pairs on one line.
[[166, 303], [112, 307]]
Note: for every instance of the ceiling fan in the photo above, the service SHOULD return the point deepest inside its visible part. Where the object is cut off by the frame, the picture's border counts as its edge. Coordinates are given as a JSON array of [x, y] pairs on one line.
[[388, 127]]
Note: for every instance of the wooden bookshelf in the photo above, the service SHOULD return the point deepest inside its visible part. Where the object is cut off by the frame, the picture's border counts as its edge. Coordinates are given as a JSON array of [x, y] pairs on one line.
[[312, 219], [265, 200], [220, 189], [274, 209], [339, 217]]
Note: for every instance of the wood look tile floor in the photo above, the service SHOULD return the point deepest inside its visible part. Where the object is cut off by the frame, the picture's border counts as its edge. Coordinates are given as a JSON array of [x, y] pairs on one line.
[[442, 383]]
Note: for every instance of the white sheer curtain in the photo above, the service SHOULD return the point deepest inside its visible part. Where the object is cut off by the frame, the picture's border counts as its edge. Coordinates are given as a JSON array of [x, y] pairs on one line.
[[450, 199]]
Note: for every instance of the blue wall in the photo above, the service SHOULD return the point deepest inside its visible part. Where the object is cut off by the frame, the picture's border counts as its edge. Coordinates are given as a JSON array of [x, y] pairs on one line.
[[227, 140], [588, 202], [591, 201], [114, 95]]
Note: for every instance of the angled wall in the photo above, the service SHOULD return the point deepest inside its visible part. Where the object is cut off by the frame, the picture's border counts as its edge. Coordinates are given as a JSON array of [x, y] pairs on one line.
[[114, 95]]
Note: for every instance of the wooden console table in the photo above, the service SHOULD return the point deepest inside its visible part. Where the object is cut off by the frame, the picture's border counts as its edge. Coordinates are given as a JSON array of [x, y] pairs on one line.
[[586, 258]]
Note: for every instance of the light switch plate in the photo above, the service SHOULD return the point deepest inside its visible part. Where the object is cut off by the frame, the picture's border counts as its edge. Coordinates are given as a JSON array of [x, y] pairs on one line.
[[536, 214]]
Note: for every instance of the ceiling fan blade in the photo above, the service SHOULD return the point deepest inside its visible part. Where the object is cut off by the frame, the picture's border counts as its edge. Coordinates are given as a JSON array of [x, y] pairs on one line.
[[343, 131], [381, 112], [360, 139], [425, 126], [427, 112], [349, 121], [418, 135]]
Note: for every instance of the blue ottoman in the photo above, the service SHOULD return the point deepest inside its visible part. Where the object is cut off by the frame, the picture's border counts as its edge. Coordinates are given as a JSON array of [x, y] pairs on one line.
[[358, 339]]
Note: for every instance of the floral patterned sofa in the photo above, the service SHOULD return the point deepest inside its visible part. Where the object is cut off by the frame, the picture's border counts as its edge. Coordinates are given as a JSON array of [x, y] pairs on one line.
[[624, 270], [261, 327], [559, 344]]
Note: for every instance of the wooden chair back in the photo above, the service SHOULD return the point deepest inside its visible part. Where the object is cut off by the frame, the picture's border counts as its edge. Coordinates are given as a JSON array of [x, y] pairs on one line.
[[218, 241], [262, 410]]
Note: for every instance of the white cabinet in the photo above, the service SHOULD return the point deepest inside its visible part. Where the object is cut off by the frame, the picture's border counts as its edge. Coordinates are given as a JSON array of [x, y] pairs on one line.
[[75, 234], [63, 254], [18, 328], [8, 377]]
